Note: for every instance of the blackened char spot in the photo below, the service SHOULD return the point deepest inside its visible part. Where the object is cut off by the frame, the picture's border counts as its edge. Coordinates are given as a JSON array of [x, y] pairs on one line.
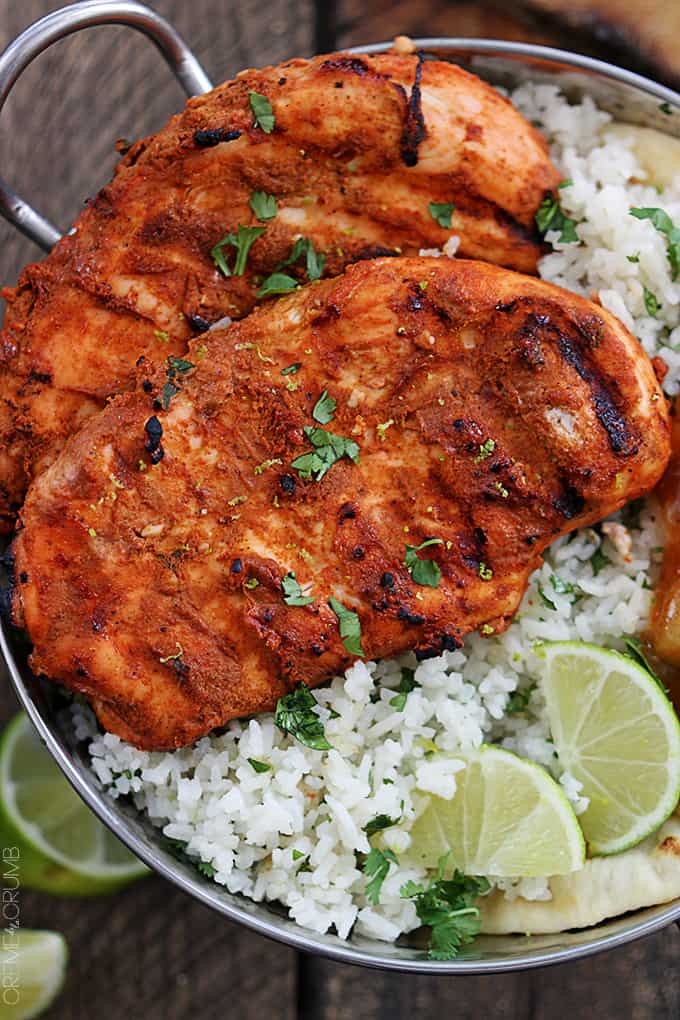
[[387, 580], [347, 513], [147, 386], [608, 415], [198, 323], [236, 566], [570, 503], [426, 653], [6, 603], [353, 65], [154, 433], [449, 643], [317, 650], [415, 619], [374, 251], [414, 128], [156, 456], [287, 483], [213, 136]]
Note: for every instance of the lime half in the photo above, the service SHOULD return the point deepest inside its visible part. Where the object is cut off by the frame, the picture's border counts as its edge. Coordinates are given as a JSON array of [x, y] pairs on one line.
[[33, 965], [508, 818], [617, 733], [62, 847]]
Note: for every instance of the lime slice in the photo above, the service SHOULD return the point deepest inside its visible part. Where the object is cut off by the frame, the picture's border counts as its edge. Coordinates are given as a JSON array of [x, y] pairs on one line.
[[63, 848], [508, 818], [33, 964], [617, 733]]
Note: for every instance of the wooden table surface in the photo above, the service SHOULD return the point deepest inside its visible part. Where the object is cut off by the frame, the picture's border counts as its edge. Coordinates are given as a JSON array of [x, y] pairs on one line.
[[151, 952]]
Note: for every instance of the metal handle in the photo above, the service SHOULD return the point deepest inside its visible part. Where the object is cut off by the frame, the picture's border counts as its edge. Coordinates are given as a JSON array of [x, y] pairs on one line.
[[55, 26]]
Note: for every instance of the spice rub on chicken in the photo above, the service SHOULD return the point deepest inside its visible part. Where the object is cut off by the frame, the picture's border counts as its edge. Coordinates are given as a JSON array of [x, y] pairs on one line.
[[370, 465], [277, 177]]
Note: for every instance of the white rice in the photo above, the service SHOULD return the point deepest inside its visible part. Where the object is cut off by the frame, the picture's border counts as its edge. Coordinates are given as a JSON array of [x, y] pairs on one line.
[[292, 834]]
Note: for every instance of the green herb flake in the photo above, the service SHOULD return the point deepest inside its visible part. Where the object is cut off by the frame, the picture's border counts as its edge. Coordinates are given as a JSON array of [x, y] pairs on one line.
[[651, 302], [598, 561], [376, 866], [350, 627], [296, 714], [93, 534], [264, 206], [262, 112], [237, 500], [324, 409], [560, 586], [292, 592], [205, 869], [314, 262], [448, 908], [292, 369], [423, 284], [298, 855], [666, 108], [259, 469], [161, 335], [486, 573], [379, 823], [328, 450], [425, 572], [242, 241], [485, 450], [662, 222], [382, 428], [519, 700], [168, 391], [277, 283], [441, 212], [550, 217], [406, 685], [252, 583], [259, 766], [546, 601], [634, 650], [502, 490], [634, 258]]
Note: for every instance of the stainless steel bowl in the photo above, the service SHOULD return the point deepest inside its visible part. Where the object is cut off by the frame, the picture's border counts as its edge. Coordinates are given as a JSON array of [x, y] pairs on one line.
[[630, 98]]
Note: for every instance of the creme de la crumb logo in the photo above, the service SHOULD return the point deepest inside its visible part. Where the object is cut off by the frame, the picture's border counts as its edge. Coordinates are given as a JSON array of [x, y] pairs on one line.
[[10, 978]]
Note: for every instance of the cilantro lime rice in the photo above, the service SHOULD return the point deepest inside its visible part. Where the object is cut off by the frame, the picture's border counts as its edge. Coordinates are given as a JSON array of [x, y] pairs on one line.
[[269, 817]]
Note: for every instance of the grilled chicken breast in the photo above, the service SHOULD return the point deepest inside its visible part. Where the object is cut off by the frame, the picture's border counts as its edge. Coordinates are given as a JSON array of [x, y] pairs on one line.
[[353, 153], [307, 451]]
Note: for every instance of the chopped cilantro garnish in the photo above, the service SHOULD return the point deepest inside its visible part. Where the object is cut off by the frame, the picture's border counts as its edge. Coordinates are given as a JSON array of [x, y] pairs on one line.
[[548, 602], [179, 365], [298, 855], [486, 573], [277, 283], [314, 263], [485, 450], [666, 108], [560, 586], [292, 369], [263, 205], [662, 222], [259, 766], [242, 241], [425, 572], [379, 823], [296, 714], [598, 560], [651, 302], [324, 409], [406, 685], [448, 907], [167, 393], [634, 258], [292, 592], [328, 450], [206, 869], [376, 867], [262, 112], [551, 217], [519, 700], [634, 651], [441, 212], [176, 366], [350, 627]]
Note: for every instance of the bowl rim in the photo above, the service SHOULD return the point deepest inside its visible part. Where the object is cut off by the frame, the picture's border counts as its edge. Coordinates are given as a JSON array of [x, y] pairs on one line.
[[300, 938]]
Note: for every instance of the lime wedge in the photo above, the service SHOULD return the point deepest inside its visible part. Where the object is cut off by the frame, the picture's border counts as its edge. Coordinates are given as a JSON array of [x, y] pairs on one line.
[[63, 848], [507, 818], [615, 731], [33, 964]]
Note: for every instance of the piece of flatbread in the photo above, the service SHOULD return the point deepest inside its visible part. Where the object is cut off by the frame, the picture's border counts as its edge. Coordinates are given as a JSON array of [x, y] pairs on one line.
[[645, 876]]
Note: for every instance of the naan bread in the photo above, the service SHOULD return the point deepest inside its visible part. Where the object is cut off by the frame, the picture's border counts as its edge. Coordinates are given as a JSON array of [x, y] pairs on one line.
[[645, 876]]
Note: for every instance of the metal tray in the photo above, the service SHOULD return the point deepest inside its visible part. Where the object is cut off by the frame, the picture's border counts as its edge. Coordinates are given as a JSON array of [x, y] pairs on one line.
[[630, 98]]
